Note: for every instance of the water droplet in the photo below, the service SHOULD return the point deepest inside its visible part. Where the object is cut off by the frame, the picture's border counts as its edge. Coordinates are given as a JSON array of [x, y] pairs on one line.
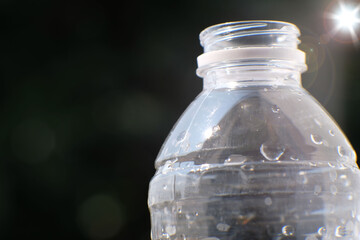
[[331, 132], [187, 146], [317, 189], [345, 181], [340, 231], [288, 230], [216, 128], [247, 167], [228, 161], [294, 158], [165, 187], [300, 93], [235, 160], [333, 189], [268, 201], [165, 236], [341, 151], [271, 152], [331, 208], [313, 164], [350, 197], [333, 175], [208, 133], [167, 167], [303, 179], [316, 139], [171, 230], [204, 167], [186, 165], [181, 136], [317, 122], [342, 166], [189, 217], [199, 145], [179, 210], [275, 109], [353, 213], [222, 227], [331, 165], [322, 231], [196, 214]]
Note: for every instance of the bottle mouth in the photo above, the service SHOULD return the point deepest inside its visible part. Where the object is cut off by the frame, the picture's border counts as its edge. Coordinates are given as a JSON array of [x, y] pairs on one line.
[[257, 33], [255, 44]]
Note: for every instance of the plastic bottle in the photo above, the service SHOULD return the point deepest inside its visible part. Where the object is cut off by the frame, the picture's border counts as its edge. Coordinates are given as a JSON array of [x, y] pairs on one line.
[[254, 156]]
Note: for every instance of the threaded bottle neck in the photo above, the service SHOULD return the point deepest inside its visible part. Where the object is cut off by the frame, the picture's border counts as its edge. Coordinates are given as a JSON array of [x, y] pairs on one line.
[[249, 34], [251, 50]]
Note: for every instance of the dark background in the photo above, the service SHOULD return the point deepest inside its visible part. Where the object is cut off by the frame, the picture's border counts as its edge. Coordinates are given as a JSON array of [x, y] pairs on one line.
[[90, 89]]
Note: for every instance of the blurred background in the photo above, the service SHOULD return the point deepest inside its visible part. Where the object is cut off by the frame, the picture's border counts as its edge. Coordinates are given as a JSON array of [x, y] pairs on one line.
[[90, 89]]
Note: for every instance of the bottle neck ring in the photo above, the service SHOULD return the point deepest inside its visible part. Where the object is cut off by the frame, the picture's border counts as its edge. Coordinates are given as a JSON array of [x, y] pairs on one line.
[[255, 57]]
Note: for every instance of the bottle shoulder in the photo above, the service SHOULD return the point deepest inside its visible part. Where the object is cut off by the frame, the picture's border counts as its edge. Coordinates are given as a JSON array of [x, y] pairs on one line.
[[260, 124]]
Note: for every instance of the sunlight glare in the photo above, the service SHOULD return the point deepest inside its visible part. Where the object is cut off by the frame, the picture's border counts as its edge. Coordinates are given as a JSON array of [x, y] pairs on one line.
[[347, 18]]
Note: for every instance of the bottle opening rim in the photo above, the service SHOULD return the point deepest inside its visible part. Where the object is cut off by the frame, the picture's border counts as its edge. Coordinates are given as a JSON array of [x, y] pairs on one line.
[[248, 28]]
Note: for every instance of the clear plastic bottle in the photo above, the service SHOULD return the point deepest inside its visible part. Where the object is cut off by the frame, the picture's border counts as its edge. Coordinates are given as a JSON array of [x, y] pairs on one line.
[[254, 156]]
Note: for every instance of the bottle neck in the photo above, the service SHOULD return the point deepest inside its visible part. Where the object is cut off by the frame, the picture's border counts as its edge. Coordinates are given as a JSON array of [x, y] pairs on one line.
[[250, 53]]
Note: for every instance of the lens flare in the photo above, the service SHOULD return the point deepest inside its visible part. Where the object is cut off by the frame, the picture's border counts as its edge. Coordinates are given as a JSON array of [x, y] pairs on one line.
[[346, 20]]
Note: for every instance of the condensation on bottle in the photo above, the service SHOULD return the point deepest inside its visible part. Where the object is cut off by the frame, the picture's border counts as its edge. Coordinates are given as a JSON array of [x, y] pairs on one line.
[[254, 156]]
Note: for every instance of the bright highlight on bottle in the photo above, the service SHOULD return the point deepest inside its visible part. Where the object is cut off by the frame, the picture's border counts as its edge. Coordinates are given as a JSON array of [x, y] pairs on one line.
[[346, 19]]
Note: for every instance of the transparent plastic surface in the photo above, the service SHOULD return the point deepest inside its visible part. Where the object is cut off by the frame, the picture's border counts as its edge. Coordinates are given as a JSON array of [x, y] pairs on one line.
[[257, 159]]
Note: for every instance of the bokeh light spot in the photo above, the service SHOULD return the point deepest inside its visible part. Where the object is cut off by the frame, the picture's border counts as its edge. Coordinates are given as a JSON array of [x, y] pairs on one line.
[[100, 217]]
